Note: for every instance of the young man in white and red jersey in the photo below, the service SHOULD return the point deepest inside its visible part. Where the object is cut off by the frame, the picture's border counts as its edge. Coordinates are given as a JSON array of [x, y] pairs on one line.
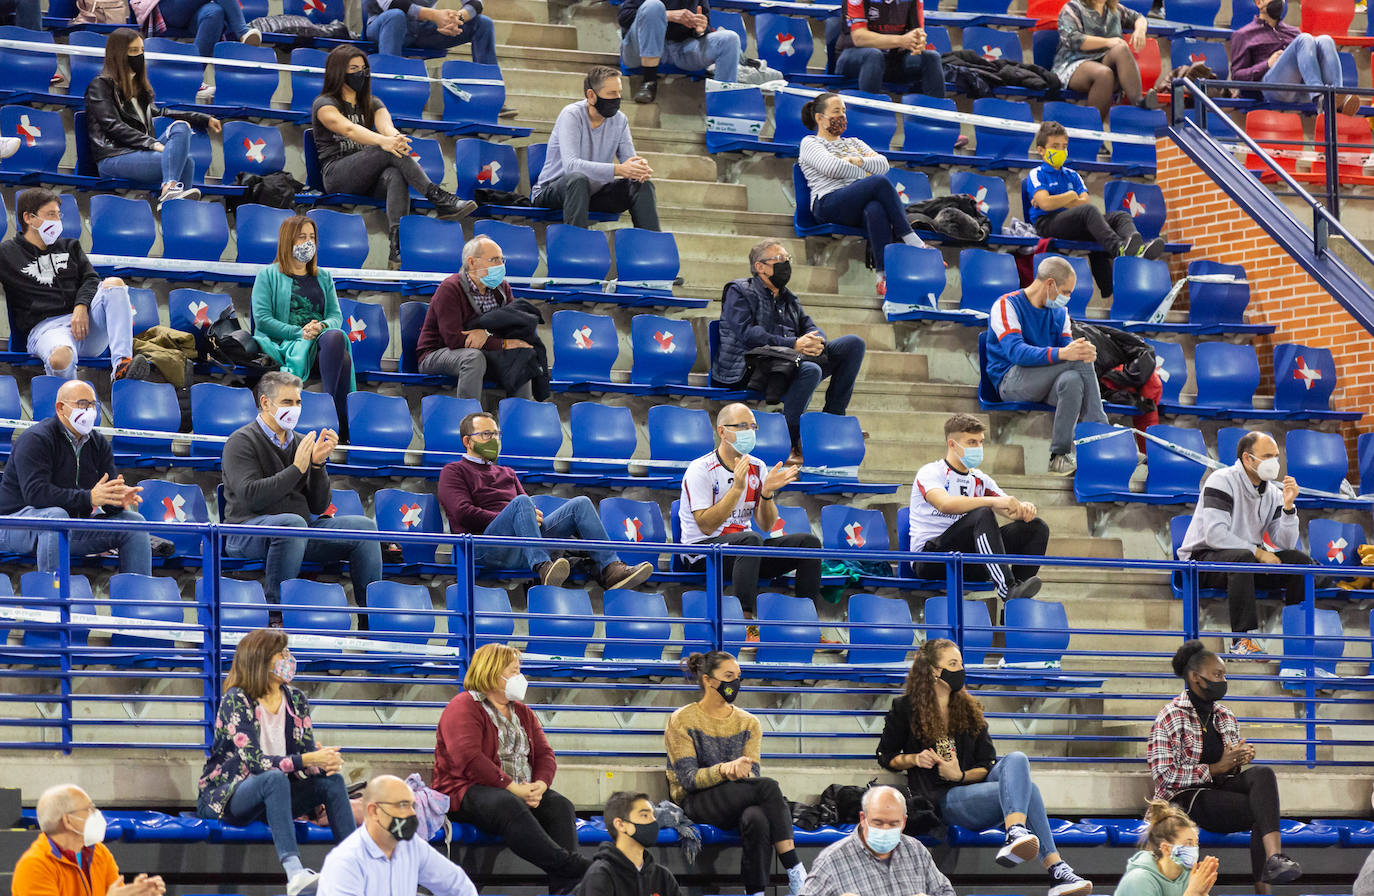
[[954, 507], [725, 490], [885, 40]]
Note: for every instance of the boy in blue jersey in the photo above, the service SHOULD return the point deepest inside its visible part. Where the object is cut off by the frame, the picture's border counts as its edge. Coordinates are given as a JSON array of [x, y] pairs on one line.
[[1033, 357], [1057, 204]]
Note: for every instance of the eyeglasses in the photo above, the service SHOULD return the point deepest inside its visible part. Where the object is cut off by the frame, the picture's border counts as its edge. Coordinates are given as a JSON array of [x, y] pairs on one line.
[[83, 405], [495, 259], [777, 259], [359, 71], [403, 805], [486, 434], [740, 427]]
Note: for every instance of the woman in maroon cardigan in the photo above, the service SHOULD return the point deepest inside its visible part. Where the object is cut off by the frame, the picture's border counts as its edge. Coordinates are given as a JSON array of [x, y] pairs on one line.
[[496, 766]]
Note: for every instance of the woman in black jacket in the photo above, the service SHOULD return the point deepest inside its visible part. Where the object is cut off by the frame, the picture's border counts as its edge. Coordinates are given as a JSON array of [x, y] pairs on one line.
[[119, 121], [935, 732]]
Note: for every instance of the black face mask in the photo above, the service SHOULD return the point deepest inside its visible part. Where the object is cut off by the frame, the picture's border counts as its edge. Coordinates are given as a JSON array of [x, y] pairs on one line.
[[402, 828], [1211, 691], [729, 690], [138, 65], [1274, 10], [782, 272], [646, 834], [954, 678], [606, 106], [358, 81]]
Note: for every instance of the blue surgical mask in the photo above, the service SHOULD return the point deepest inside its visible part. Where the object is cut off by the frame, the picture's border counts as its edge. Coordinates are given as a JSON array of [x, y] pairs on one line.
[[494, 276], [973, 456], [1059, 301], [1184, 856], [744, 441], [882, 840]]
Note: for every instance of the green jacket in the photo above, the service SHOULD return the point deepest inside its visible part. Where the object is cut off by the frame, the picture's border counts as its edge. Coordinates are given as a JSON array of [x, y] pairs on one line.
[[280, 339], [1142, 878]]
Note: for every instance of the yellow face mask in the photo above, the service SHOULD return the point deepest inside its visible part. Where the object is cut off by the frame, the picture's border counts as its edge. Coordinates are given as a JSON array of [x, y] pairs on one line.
[[1056, 157]]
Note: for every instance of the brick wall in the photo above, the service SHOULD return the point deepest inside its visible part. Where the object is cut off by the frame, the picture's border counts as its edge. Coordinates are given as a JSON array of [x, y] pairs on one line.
[[1281, 292]]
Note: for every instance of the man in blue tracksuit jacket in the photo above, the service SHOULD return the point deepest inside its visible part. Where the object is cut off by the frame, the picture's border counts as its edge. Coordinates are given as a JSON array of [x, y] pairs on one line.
[[1033, 357]]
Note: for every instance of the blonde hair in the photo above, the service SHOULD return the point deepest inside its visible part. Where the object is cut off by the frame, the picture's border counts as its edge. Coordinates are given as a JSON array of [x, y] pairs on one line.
[[1167, 823], [488, 662]]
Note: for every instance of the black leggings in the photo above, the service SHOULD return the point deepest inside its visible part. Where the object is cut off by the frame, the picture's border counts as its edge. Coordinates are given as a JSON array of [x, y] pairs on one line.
[[372, 171], [757, 808], [545, 836], [1248, 801]]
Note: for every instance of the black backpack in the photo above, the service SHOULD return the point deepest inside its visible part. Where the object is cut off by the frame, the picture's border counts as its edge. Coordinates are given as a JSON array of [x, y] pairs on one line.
[[277, 189], [230, 346]]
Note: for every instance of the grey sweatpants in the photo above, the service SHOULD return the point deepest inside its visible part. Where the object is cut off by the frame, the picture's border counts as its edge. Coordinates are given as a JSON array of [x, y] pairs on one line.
[[1071, 386]]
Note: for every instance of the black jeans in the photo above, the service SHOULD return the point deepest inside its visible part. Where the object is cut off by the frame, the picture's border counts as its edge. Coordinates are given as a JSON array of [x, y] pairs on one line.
[[745, 572], [1240, 587], [372, 171], [545, 836], [573, 194], [1085, 222], [1248, 801], [977, 532], [758, 810]]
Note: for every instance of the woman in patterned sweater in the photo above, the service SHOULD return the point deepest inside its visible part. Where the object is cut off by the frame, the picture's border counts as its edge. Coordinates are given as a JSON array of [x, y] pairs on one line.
[[264, 764], [713, 772]]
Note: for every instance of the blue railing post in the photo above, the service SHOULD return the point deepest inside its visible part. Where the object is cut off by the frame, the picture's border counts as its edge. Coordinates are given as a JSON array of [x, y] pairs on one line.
[[1192, 600], [1309, 626], [211, 572], [465, 562], [954, 593], [1329, 132], [715, 595], [64, 639]]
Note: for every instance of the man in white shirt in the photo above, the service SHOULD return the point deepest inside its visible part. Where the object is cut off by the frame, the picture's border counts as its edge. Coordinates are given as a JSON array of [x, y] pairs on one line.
[[954, 507], [384, 856], [725, 490]]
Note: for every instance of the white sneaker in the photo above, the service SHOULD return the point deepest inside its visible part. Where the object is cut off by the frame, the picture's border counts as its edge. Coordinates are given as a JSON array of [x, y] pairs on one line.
[[796, 879], [252, 37], [303, 881], [206, 94], [8, 146]]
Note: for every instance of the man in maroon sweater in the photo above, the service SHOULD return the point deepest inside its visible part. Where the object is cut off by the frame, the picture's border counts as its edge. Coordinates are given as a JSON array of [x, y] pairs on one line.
[[481, 497]]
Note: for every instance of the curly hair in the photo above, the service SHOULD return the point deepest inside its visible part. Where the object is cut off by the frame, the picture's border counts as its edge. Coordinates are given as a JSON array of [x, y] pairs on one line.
[[965, 712]]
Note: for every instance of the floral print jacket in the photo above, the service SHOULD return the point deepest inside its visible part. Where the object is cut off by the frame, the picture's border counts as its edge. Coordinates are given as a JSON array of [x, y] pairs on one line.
[[237, 749]]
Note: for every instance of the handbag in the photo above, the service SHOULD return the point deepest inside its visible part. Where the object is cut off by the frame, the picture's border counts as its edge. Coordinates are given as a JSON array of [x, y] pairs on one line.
[[102, 12]]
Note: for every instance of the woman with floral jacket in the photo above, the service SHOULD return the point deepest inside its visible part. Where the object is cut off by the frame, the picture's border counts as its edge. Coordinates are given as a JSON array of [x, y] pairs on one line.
[[264, 763]]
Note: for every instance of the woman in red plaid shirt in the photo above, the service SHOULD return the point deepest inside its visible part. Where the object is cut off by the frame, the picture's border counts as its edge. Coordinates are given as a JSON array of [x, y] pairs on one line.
[[1199, 762]]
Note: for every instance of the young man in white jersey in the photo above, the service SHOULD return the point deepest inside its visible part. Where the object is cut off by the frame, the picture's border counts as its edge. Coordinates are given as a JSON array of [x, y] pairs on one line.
[[725, 490], [954, 507]]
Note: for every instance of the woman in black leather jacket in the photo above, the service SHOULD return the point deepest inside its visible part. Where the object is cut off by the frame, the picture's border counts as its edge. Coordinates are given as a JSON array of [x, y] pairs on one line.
[[119, 120]]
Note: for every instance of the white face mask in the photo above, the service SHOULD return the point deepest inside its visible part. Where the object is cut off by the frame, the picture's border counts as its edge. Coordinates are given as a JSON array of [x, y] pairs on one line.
[[287, 417], [84, 421], [1267, 469], [516, 686], [49, 231], [94, 831]]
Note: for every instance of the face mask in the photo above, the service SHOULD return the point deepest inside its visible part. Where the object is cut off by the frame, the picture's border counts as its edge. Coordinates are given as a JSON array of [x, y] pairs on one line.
[[729, 690], [973, 457], [1212, 691], [744, 441], [954, 678], [1059, 301], [1184, 856], [357, 81], [606, 106], [1268, 469], [84, 421], [49, 231], [646, 834], [1056, 158], [284, 669], [494, 276], [94, 831], [287, 418], [488, 450], [882, 840], [835, 125], [303, 252], [138, 65], [1274, 10], [516, 686], [402, 828], [782, 272]]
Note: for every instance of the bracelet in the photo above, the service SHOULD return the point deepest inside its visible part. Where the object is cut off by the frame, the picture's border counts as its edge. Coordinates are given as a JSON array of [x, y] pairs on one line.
[[962, 775], [764, 497]]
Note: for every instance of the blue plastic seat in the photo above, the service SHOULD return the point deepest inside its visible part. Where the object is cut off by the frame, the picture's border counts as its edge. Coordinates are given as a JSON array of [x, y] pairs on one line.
[[173, 502], [551, 616], [1145, 202], [876, 127], [916, 279], [344, 502], [938, 38], [305, 86], [834, 442], [992, 44], [1337, 545], [846, 528], [735, 119], [147, 599], [646, 264], [431, 244], [174, 83], [473, 104], [773, 442], [400, 612], [1082, 150], [121, 225], [912, 186], [317, 412], [43, 395], [42, 139], [630, 640], [1318, 461], [889, 643], [405, 100], [665, 351], [803, 627], [1193, 12], [1227, 377], [585, 346], [1323, 650], [412, 321], [1008, 148], [487, 629], [977, 626], [45, 586], [679, 434], [1217, 307], [1228, 442], [440, 417], [576, 254], [1171, 477], [248, 91], [1083, 282], [255, 232], [144, 302], [369, 335], [243, 607], [697, 635], [84, 69], [1185, 51], [315, 607], [194, 230], [482, 164], [193, 310], [430, 157], [321, 12], [929, 135], [251, 148], [1139, 286], [792, 520], [10, 408], [341, 238], [1172, 369], [518, 245], [140, 404], [601, 431], [201, 153], [26, 72], [536, 428], [984, 278], [804, 220], [1304, 378], [378, 421], [783, 42], [397, 510], [633, 522], [1138, 122], [989, 192], [1037, 631], [1105, 466]]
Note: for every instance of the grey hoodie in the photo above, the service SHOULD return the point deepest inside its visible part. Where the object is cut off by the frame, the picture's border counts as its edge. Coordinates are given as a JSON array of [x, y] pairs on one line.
[[1142, 878]]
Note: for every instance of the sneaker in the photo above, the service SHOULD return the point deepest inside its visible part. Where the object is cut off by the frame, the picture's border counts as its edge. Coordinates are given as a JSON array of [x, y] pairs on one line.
[[1150, 100], [1067, 882], [552, 572], [56, 80], [1020, 846], [252, 37], [1153, 249], [622, 575], [1024, 588], [1248, 647], [882, 287], [206, 93], [1133, 245], [8, 146], [303, 881], [647, 92], [135, 368], [1062, 465], [1280, 870], [796, 879], [751, 634]]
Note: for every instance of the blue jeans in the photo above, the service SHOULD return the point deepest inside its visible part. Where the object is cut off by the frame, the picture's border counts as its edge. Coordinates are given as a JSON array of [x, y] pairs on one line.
[[870, 203], [646, 39], [1008, 789], [110, 325], [841, 363], [210, 18], [575, 519], [284, 556], [274, 797], [135, 553], [28, 15], [148, 166], [1307, 60], [393, 32], [921, 72]]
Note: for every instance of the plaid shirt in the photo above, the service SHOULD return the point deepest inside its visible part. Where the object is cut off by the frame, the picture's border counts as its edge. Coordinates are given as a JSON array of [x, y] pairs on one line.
[[1174, 750], [512, 744], [849, 867]]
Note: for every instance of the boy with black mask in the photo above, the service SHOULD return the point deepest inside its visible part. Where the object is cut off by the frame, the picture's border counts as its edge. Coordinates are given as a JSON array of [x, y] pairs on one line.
[[624, 866]]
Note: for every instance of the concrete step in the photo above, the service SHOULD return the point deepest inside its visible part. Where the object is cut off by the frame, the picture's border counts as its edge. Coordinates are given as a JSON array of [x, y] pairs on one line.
[[512, 37], [539, 108], [890, 451], [682, 167], [901, 366], [702, 194], [512, 10]]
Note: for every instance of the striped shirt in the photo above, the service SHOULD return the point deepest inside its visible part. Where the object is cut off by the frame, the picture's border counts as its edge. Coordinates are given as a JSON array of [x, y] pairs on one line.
[[823, 163], [512, 744]]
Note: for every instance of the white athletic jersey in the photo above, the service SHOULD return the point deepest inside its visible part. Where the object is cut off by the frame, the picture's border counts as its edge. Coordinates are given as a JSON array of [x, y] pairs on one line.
[[928, 523], [704, 484]]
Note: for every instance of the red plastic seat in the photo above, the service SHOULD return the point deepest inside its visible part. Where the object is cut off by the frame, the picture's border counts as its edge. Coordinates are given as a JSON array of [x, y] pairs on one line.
[[1280, 133], [1350, 129], [1332, 17], [1149, 61]]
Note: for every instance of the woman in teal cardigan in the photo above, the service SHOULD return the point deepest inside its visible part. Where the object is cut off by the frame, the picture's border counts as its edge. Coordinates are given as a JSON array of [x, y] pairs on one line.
[[296, 317]]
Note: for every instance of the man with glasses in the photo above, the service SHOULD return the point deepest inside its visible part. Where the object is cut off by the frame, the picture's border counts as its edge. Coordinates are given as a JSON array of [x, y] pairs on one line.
[[385, 856], [62, 469], [481, 497], [69, 858], [762, 320], [591, 165], [448, 344], [726, 490]]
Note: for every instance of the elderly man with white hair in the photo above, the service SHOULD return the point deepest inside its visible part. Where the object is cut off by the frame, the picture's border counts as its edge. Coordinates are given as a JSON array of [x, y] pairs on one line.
[[877, 859], [69, 857]]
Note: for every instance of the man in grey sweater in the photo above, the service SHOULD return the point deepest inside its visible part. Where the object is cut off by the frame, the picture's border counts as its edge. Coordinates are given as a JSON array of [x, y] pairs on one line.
[[591, 165], [1241, 517]]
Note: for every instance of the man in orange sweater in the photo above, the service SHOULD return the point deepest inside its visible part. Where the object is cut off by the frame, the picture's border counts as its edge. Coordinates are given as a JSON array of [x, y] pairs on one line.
[[68, 858]]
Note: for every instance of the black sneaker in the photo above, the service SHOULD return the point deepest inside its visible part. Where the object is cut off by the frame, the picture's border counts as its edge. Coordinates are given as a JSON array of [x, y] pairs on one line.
[[1134, 243], [1067, 882], [1281, 870], [1153, 249], [1025, 588], [135, 368], [1020, 846], [647, 92]]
